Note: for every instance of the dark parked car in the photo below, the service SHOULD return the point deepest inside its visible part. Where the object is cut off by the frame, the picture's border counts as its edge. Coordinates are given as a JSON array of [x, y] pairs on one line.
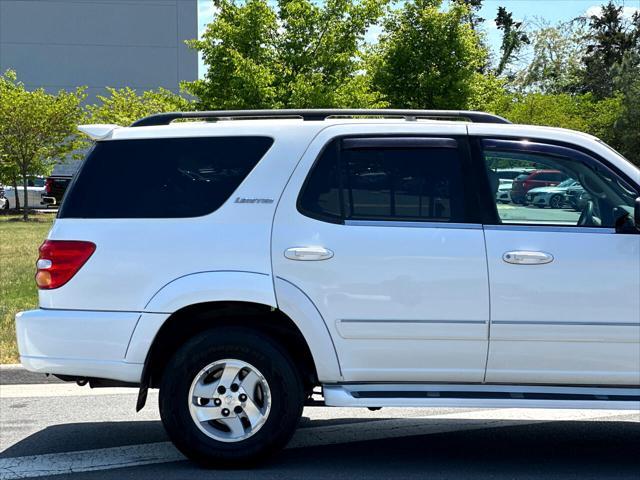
[[576, 197], [54, 189], [538, 178]]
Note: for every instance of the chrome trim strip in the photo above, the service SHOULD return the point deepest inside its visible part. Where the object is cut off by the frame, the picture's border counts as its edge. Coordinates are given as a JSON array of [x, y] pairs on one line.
[[473, 322], [590, 324], [392, 223], [551, 228]]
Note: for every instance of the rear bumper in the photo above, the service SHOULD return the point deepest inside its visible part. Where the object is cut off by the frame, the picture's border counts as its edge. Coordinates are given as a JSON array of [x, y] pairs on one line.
[[78, 343]]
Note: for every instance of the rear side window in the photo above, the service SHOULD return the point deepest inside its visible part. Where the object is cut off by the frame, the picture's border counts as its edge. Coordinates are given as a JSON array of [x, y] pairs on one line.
[[161, 178], [386, 183]]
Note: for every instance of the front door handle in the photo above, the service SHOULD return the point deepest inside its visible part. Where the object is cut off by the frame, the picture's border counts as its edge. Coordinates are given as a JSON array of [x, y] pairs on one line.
[[520, 257], [308, 253]]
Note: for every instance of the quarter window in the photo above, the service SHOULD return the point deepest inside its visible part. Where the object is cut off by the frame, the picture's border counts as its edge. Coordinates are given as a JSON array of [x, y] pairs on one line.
[[162, 177]]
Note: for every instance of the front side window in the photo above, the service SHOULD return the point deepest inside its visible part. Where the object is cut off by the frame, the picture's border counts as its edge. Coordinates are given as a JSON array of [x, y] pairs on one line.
[[562, 187], [386, 182]]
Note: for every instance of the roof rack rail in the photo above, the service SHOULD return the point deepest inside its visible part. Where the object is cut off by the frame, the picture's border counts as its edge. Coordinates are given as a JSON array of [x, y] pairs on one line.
[[321, 114]]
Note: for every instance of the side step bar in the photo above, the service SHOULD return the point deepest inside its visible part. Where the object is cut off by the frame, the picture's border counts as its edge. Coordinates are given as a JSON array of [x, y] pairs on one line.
[[480, 396]]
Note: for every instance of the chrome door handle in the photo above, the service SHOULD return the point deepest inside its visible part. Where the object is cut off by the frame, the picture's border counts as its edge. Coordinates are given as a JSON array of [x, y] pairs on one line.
[[527, 258], [308, 253]]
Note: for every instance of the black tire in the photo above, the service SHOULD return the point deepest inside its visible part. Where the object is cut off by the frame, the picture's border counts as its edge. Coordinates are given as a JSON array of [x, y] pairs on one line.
[[284, 380], [556, 201]]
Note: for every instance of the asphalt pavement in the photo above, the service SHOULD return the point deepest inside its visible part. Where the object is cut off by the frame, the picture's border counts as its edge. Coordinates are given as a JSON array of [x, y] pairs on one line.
[[65, 431]]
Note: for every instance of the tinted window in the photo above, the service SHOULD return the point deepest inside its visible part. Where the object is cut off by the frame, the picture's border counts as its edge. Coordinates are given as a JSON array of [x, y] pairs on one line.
[[151, 178], [321, 192], [386, 183]]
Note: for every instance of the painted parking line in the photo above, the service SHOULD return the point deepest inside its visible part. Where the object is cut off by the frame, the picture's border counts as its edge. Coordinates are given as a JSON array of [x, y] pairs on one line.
[[164, 452]]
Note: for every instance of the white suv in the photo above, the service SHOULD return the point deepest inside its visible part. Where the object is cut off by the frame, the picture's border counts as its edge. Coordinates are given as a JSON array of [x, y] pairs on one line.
[[258, 255]]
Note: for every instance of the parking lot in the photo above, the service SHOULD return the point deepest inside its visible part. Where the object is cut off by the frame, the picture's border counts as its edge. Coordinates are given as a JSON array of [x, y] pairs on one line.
[[512, 212], [76, 432]]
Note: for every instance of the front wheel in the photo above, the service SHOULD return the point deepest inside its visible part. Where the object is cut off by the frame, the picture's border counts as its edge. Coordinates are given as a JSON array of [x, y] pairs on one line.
[[229, 397], [556, 201]]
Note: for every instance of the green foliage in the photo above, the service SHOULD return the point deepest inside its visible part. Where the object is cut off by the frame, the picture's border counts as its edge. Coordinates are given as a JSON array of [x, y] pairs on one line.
[[513, 38], [124, 106], [626, 78], [37, 129], [427, 57], [299, 53], [556, 64], [584, 112], [611, 38]]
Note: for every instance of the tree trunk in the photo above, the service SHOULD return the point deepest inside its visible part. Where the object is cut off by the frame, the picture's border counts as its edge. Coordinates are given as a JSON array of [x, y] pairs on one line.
[[15, 193], [25, 210]]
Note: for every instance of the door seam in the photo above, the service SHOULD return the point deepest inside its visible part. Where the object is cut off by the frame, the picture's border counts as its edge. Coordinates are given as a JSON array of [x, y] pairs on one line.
[[486, 258]]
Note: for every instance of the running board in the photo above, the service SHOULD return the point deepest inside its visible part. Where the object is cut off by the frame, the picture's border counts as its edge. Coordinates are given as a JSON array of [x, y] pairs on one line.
[[480, 396]]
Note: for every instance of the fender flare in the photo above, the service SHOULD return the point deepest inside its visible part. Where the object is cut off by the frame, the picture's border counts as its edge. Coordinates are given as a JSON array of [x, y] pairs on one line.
[[240, 286]]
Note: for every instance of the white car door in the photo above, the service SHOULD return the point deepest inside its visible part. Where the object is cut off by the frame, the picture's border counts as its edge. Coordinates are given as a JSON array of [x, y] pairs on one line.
[[377, 228], [565, 284]]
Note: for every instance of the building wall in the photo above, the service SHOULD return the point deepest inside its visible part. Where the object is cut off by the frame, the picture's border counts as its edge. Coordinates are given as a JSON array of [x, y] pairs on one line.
[[62, 44]]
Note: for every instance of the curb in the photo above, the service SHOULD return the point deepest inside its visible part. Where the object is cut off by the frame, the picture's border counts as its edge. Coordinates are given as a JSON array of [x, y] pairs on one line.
[[16, 374]]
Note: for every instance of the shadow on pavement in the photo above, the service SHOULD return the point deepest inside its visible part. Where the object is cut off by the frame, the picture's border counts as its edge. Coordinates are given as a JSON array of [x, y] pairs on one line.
[[563, 450]]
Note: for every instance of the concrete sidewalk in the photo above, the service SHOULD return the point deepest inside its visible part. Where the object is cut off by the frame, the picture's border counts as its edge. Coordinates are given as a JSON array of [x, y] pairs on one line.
[[16, 374]]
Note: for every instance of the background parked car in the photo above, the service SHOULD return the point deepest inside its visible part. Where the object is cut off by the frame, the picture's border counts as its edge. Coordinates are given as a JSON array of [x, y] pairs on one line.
[[35, 189], [54, 188], [505, 181], [553, 197], [576, 197], [537, 178]]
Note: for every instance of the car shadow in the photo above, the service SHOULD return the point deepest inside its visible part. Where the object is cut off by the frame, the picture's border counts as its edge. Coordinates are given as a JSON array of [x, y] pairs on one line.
[[544, 450]]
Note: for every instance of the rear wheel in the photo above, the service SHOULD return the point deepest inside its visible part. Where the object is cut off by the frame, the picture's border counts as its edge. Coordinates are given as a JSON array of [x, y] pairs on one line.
[[230, 398]]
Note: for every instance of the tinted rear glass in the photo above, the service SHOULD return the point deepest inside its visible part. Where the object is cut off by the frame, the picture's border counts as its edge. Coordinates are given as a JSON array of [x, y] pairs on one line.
[[169, 177]]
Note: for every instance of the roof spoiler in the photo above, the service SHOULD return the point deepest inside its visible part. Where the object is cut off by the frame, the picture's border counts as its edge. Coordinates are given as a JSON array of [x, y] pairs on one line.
[[98, 131]]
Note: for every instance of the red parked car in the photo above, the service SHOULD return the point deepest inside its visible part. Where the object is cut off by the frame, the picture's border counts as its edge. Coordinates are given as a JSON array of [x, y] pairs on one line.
[[537, 178]]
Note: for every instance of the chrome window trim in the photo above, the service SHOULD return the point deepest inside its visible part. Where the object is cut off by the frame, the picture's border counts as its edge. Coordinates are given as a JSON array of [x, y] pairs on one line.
[[551, 228], [394, 223]]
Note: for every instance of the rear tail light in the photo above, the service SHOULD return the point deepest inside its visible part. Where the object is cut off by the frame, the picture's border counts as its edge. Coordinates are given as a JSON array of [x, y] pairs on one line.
[[60, 260]]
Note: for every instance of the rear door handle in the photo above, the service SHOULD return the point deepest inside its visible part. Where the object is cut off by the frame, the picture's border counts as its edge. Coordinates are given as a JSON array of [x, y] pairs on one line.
[[308, 253], [520, 257]]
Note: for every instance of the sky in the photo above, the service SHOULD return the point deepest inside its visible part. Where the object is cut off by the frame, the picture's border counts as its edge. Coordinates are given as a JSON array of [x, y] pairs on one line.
[[529, 11]]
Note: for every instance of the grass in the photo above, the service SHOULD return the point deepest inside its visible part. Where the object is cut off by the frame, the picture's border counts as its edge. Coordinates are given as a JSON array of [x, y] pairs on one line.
[[19, 242]]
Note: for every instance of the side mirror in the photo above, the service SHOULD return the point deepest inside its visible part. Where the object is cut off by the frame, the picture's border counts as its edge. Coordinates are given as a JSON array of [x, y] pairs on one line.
[[636, 214]]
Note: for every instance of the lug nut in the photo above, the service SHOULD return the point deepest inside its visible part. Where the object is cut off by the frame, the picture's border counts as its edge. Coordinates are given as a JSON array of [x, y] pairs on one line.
[[238, 409], [217, 402], [221, 389], [243, 397], [225, 412], [234, 387]]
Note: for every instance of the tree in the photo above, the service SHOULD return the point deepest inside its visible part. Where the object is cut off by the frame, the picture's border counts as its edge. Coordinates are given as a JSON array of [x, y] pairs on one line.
[[473, 7], [584, 113], [36, 129], [610, 39], [626, 80], [298, 53], [427, 57], [514, 38], [124, 106], [556, 65]]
